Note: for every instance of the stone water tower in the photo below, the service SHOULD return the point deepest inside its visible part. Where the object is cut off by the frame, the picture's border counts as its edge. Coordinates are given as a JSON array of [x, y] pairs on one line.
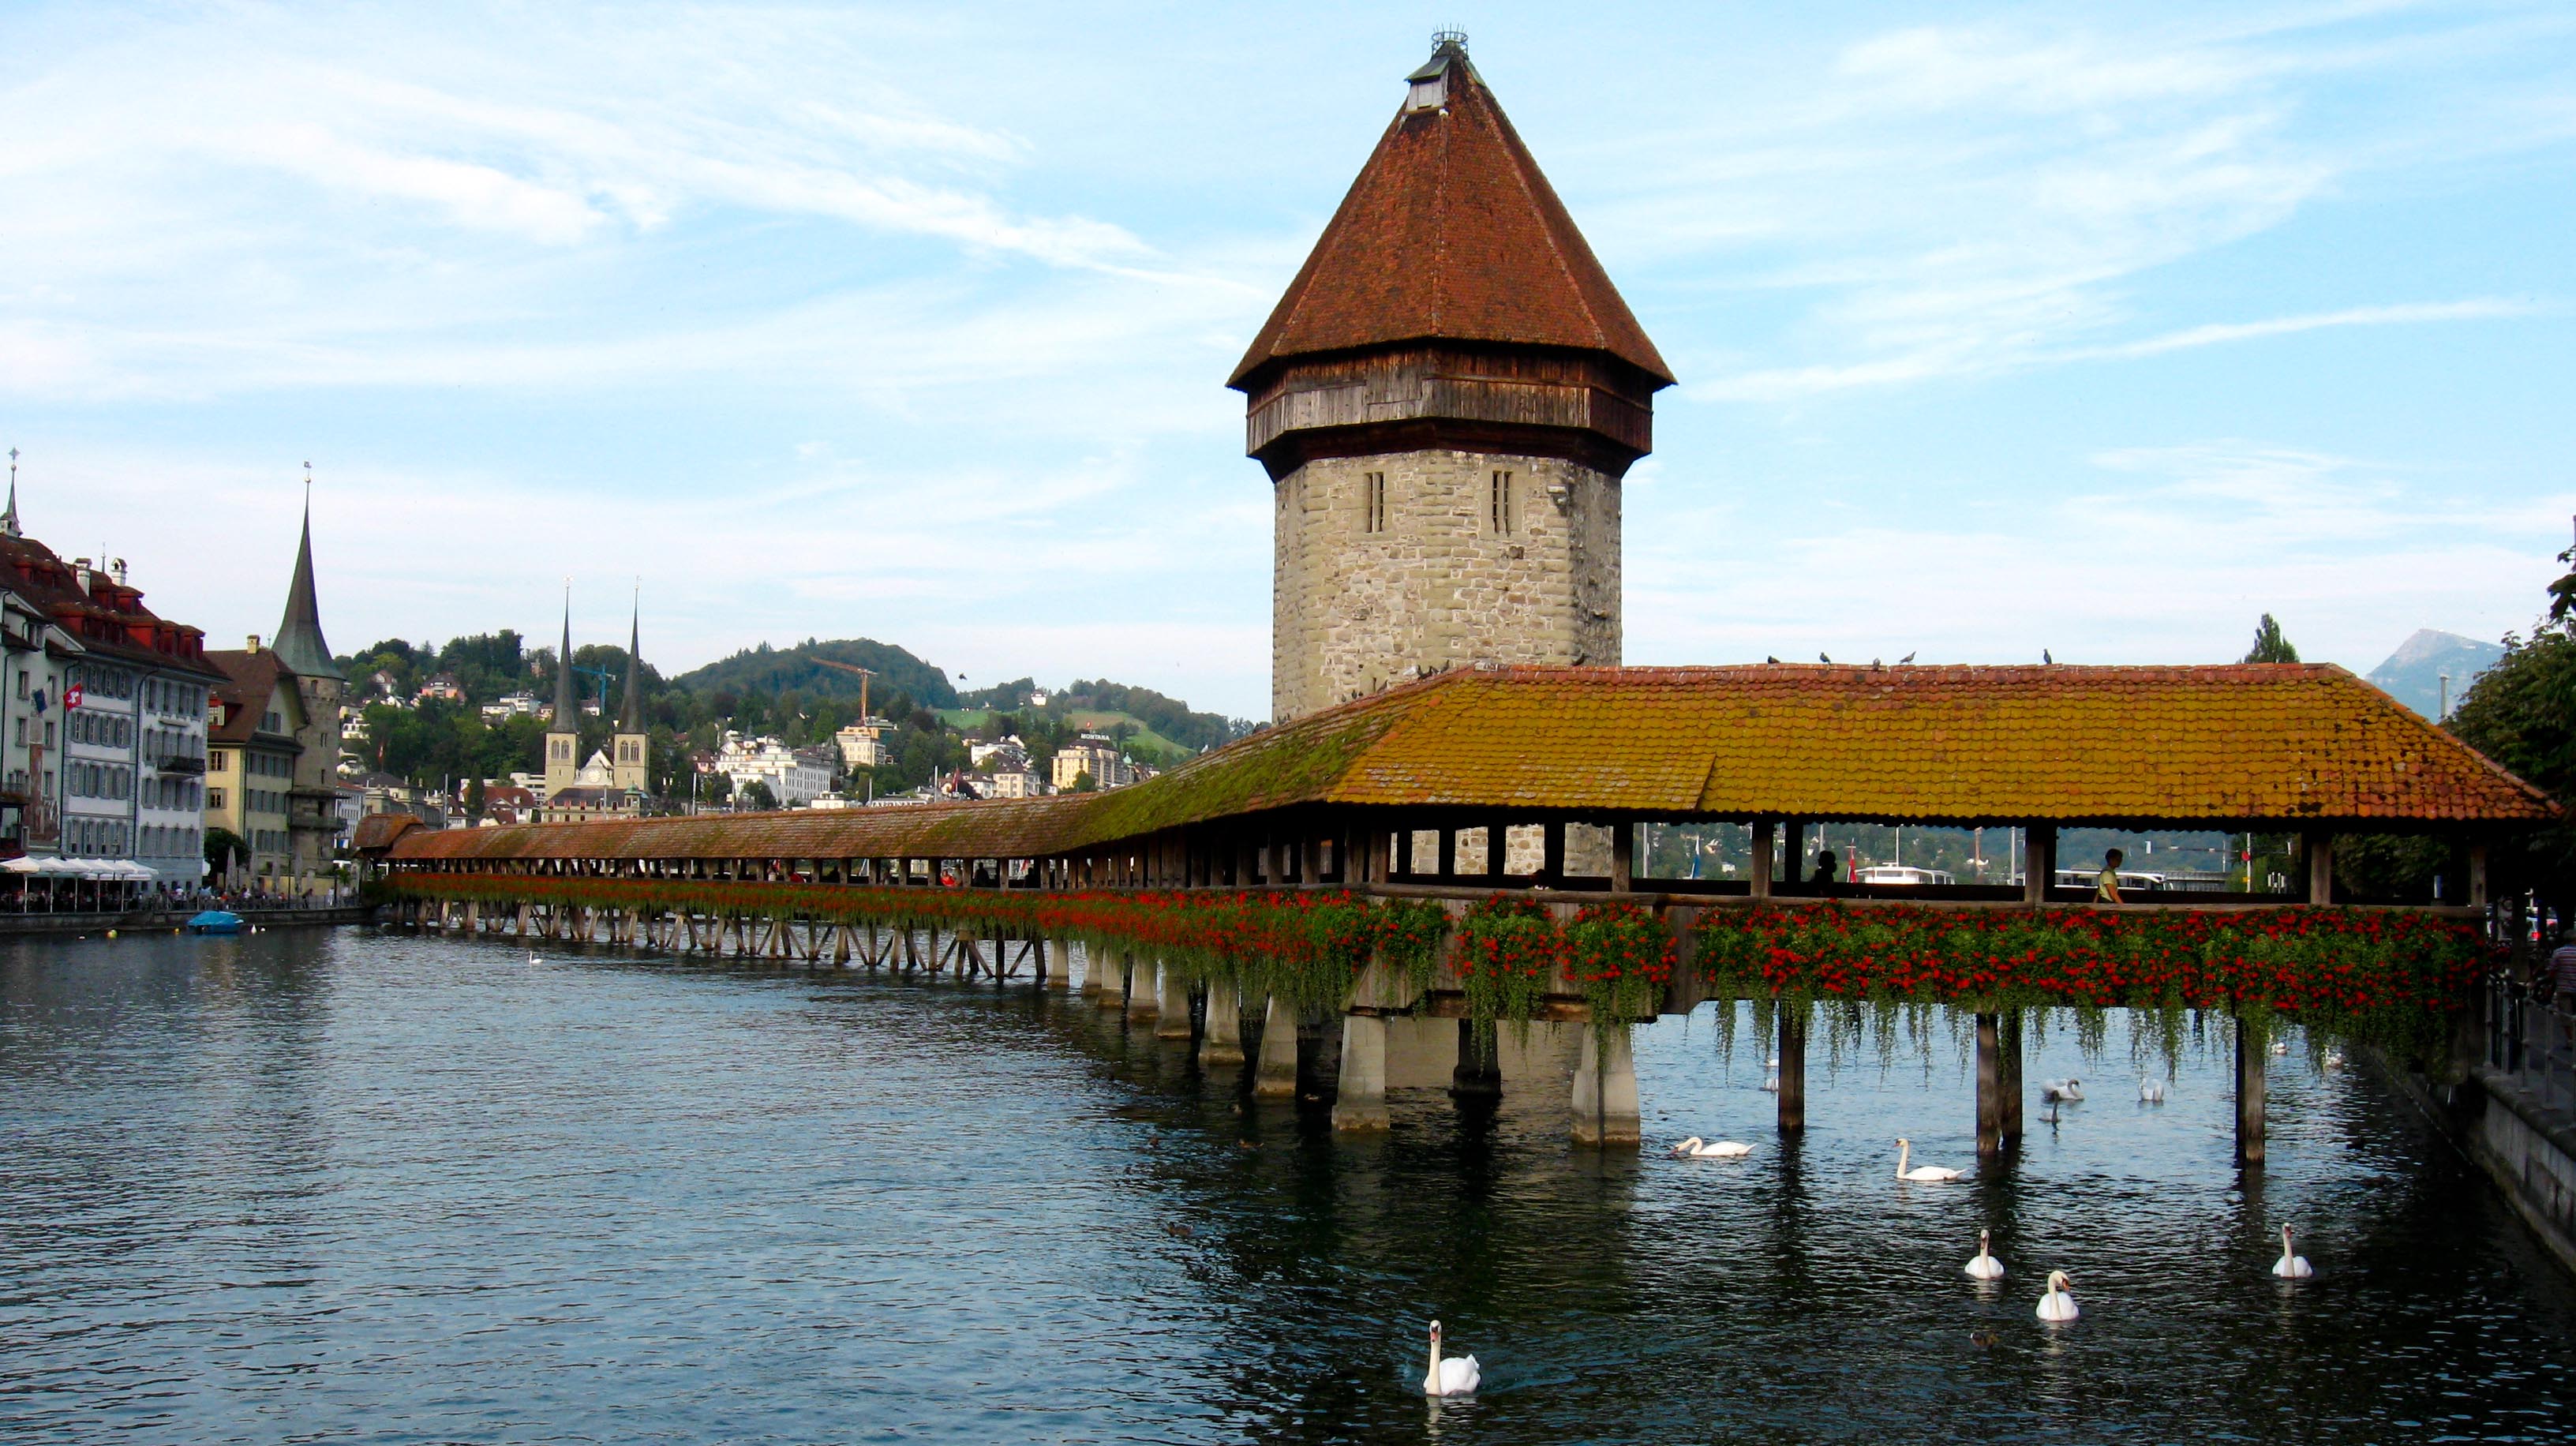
[[1446, 400]]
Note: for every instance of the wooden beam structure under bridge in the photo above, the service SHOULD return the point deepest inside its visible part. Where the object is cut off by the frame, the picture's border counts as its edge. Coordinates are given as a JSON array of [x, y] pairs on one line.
[[1407, 793]]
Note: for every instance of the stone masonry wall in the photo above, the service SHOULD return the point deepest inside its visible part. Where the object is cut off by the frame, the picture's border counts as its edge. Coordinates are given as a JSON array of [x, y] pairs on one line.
[[1353, 610]]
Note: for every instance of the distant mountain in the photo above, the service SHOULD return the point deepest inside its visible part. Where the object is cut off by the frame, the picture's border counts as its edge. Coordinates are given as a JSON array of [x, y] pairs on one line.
[[825, 670], [2413, 674]]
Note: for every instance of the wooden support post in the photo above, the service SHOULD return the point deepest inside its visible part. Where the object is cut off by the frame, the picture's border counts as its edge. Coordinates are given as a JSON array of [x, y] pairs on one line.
[[1793, 1068], [1623, 856], [2320, 867], [2251, 1056], [1448, 853], [1310, 857], [1498, 850], [2039, 862], [1762, 872], [1990, 1089], [2008, 1061], [1479, 1073], [1793, 855], [1551, 866]]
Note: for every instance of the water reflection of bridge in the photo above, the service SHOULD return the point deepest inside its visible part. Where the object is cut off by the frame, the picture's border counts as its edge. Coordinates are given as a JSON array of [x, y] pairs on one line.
[[1407, 793]]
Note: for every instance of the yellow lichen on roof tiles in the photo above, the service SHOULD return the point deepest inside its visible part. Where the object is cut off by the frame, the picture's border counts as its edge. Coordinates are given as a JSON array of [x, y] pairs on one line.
[[2241, 743]]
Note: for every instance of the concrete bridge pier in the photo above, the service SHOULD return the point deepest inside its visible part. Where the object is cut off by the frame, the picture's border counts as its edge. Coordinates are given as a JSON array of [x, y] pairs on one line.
[[1173, 999], [1112, 969], [1144, 995], [1055, 963], [1360, 1104], [1091, 967], [1221, 1039], [1605, 1088], [1275, 1078]]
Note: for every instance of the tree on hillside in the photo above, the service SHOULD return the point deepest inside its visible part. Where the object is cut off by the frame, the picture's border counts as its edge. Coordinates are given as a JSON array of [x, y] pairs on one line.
[[2522, 714], [755, 796], [2269, 645]]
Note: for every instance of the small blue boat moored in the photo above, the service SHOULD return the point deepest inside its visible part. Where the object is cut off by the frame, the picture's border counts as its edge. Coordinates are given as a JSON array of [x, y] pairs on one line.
[[216, 921]]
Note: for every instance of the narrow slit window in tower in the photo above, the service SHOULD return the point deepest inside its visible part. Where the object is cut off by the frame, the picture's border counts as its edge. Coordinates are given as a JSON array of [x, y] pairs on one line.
[[1502, 504], [1373, 503]]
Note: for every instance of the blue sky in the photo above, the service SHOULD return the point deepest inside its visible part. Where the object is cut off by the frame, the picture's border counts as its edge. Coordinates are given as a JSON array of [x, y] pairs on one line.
[[2101, 329]]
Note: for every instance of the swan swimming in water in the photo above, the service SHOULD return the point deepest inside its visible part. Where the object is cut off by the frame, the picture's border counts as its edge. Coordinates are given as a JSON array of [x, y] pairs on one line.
[[2334, 1059], [2280, 1046], [2069, 1090], [1771, 1081], [1985, 1266], [2290, 1266], [2058, 1303], [1696, 1148], [2151, 1091], [1456, 1376], [1920, 1174]]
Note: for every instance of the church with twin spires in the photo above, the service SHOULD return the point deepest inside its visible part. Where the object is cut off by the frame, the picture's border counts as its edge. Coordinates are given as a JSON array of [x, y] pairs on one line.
[[614, 782]]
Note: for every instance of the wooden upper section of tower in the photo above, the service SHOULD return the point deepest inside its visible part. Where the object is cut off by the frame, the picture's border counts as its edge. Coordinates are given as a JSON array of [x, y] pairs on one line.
[[1451, 303]]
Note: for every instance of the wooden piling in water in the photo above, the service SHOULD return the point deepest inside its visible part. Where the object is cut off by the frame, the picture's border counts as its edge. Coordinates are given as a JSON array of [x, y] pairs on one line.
[[2252, 1052], [1990, 1088], [1793, 1068]]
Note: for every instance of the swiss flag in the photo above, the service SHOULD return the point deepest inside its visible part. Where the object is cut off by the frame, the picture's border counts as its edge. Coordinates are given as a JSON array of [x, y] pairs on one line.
[[72, 696]]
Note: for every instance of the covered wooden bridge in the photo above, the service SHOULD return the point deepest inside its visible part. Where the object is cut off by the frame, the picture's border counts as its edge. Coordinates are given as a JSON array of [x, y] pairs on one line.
[[1410, 794]]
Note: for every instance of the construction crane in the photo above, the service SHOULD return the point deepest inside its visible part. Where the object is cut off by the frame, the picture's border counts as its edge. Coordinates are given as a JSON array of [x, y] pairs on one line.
[[864, 675]]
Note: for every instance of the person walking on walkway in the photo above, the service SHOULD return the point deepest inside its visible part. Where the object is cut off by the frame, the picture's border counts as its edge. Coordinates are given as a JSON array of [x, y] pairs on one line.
[[2106, 884]]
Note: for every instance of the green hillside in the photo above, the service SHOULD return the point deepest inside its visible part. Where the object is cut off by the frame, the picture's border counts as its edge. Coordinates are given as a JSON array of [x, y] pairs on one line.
[[825, 670]]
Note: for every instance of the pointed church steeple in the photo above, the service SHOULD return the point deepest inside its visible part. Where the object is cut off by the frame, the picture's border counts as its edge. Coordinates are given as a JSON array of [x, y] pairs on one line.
[[9, 519], [633, 748], [299, 645], [630, 713], [563, 735], [567, 698]]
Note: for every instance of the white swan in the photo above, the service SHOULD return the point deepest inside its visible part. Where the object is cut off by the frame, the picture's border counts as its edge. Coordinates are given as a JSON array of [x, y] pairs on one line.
[[1920, 1174], [2151, 1091], [2334, 1059], [2058, 1303], [1985, 1266], [1771, 1081], [1456, 1376], [534, 961], [1696, 1148], [2069, 1090], [2290, 1266], [2280, 1046]]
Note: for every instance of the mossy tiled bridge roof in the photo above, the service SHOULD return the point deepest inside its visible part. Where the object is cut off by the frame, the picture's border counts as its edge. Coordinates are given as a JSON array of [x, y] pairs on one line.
[[2259, 745]]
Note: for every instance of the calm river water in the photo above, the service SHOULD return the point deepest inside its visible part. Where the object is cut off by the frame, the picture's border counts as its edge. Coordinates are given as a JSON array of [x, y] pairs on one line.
[[338, 1185]]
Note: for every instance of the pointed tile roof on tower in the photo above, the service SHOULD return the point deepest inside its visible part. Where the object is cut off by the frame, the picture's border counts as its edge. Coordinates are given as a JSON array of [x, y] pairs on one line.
[[630, 714], [567, 717], [1450, 234], [299, 644]]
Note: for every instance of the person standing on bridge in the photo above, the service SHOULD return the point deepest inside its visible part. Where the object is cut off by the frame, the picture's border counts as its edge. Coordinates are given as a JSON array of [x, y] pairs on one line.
[[1823, 882], [2562, 970], [2106, 884]]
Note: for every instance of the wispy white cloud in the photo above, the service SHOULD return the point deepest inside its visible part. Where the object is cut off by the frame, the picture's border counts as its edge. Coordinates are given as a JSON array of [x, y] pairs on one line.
[[2149, 554]]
